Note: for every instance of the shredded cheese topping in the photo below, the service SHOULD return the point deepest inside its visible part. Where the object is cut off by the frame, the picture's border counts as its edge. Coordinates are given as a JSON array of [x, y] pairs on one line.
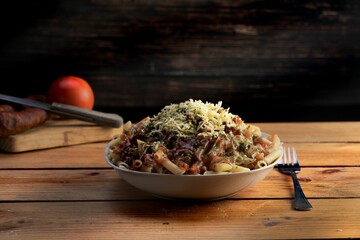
[[193, 117]]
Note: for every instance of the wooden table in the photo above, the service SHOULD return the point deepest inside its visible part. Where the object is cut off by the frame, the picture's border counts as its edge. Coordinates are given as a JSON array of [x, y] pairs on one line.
[[71, 193]]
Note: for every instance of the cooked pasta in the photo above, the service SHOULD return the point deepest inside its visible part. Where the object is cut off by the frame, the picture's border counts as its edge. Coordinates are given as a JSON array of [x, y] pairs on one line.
[[193, 137]]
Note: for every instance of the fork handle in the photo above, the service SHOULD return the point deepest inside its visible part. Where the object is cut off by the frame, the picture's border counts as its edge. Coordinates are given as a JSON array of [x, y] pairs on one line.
[[301, 203]]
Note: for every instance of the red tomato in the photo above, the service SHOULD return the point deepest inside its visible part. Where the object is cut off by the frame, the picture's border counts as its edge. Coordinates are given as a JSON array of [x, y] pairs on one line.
[[71, 90]]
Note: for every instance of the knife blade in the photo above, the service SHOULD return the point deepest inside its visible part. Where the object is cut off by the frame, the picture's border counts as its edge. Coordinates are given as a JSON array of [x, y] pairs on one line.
[[69, 111]]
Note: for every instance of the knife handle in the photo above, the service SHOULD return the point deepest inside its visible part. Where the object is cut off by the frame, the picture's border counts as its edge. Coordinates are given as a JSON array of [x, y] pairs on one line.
[[65, 110]]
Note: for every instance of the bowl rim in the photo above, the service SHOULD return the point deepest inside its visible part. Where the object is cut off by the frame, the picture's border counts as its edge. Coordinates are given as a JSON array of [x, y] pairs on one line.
[[125, 170]]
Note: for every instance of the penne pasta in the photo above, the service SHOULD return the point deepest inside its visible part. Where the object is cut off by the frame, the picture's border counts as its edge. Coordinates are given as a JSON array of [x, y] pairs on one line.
[[273, 156], [240, 169], [222, 167], [161, 158], [136, 163], [261, 164], [193, 137]]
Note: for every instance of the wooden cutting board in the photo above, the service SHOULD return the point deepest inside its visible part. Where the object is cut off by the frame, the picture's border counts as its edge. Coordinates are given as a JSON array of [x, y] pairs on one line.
[[57, 133]]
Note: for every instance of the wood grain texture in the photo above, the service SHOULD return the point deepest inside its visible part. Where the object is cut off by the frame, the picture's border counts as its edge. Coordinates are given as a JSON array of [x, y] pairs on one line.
[[90, 185], [314, 131], [272, 219], [136, 54], [333, 143], [92, 156], [70, 193]]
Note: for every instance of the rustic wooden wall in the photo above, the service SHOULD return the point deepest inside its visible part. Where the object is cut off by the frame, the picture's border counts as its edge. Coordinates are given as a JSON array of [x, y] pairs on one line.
[[257, 56]]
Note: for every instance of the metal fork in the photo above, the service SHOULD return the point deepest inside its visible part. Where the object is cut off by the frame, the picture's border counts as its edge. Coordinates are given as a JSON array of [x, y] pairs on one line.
[[289, 164]]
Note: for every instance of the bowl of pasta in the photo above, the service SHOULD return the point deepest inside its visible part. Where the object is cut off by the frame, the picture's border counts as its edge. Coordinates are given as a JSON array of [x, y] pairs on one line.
[[193, 151]]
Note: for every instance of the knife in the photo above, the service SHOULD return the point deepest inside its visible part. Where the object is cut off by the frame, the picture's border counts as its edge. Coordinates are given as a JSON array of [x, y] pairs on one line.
[[65, 110]]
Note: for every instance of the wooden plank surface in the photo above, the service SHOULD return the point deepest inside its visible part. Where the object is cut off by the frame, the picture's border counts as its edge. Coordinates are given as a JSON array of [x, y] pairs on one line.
[[250, 219], [334, 143], [92, 156], [314, 131], [71, 193], [103, 184]]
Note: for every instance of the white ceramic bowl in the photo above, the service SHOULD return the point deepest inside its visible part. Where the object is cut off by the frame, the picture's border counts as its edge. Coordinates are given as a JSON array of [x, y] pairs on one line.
[[191, 187]]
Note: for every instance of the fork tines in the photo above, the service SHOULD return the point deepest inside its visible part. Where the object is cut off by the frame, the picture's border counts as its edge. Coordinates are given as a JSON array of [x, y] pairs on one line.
[[289, 159]]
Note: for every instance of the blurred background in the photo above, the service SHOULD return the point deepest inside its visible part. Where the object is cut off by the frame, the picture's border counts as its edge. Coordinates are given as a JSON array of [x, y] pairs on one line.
[[266, 60]]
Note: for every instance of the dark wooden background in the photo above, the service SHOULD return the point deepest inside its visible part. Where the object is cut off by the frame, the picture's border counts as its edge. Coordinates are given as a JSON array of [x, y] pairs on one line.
[[262, 58]]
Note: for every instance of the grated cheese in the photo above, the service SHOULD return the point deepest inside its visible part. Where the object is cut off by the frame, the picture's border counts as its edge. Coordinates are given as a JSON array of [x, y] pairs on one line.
[[193, 117]]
